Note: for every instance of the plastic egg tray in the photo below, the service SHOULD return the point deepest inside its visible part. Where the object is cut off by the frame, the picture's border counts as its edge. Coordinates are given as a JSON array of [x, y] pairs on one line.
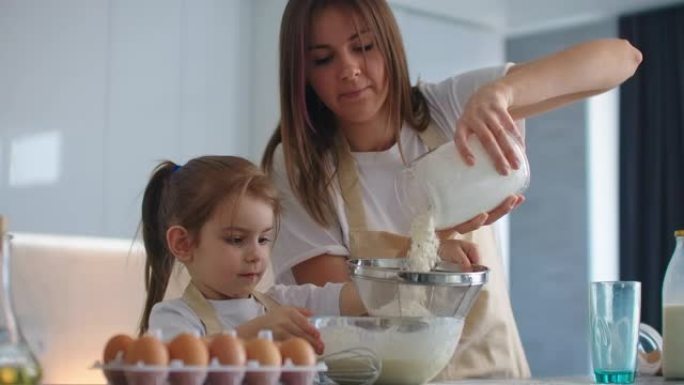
[[213, 374]]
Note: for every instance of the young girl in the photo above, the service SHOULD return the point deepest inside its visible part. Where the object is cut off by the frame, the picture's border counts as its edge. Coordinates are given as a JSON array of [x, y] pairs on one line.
[[351, 121], [218, 215]]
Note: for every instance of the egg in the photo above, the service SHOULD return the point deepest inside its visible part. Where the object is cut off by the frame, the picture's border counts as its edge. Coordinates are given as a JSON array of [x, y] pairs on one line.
[[299, 351], [189, 349], [116, 344], [148, 350], [263, 351], [228, 350], [207, 340]]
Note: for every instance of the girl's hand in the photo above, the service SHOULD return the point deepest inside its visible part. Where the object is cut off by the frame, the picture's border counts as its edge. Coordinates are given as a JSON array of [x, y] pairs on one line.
[[509, 204], [288, 321], [486, 115], [460, 252]]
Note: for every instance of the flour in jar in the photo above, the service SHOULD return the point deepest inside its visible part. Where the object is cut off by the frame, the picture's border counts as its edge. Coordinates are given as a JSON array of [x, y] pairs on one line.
[[456, 191]]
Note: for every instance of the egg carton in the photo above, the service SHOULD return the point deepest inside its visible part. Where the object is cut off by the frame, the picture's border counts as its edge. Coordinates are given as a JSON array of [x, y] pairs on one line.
[[176, 373]]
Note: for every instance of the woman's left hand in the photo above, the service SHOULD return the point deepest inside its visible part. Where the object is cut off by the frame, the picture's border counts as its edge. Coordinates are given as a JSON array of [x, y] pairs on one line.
[[458, 251], [509, 204], [486, 115]]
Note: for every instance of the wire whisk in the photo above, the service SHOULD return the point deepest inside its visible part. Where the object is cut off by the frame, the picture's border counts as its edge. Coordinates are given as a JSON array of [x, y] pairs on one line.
[[355, 366]]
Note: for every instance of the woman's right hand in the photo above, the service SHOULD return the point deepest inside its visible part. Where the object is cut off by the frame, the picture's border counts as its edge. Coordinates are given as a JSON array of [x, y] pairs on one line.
[[288, 321], [486, 116], [509, 204]]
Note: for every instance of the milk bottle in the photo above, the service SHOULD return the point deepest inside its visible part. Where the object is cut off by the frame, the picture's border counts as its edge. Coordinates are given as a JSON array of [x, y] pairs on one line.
[[673, 312], [442, 183]]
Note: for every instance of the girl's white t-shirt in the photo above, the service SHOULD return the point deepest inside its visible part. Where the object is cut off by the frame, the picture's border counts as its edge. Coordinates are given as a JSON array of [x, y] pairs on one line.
[[172, 317], [301, 238]]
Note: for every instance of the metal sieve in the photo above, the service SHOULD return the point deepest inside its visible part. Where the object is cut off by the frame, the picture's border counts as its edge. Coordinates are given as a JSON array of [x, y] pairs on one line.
[[388, 289]]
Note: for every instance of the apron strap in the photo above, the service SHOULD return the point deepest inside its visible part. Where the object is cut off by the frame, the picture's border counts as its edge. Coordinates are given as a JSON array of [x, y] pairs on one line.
[[350, 188], [266, 300], [203, 309], [206, 312]]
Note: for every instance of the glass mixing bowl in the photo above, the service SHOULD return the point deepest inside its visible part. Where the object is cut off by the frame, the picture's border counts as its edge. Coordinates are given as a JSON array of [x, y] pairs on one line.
[[411, 350]]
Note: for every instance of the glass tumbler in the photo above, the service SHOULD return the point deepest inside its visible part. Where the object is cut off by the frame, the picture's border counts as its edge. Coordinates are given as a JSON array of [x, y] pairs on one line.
[[615, 317]]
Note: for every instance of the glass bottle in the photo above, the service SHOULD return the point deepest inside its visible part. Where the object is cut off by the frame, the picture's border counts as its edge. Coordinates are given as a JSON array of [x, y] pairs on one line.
[[673, 312], [18, 365], [454, 192]]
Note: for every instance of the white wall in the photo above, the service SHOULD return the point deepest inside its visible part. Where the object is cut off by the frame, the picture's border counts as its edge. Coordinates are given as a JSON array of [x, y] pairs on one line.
[[603, 139], [440, 47], [265, 102], [120, 85], [54, 59]]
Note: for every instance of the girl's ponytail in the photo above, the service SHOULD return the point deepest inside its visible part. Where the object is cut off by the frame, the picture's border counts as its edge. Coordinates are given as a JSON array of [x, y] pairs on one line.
[[159, 261]]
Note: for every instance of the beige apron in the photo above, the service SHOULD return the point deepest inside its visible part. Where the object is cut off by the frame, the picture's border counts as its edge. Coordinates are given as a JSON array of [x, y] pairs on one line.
[[490, 345], [207, 314]]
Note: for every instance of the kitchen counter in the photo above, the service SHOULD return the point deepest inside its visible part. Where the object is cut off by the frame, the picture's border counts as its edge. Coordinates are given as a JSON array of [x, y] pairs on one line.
[[644, 380]]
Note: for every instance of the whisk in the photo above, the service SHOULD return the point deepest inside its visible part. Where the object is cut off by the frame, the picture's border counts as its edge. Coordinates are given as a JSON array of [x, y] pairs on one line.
[[354, 366]]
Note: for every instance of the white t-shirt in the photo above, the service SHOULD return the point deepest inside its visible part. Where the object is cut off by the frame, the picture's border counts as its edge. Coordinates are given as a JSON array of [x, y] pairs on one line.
[[301, 238], [174, 316]]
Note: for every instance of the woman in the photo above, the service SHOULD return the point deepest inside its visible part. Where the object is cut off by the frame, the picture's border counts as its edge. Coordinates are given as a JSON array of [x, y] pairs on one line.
[[351, 121]]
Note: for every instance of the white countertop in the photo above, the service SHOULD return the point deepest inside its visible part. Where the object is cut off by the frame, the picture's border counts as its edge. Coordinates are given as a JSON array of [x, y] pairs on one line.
[[642, 380]]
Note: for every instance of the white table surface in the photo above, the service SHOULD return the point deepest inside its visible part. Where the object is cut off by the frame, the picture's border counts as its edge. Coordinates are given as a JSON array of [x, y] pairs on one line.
[[641, 380]]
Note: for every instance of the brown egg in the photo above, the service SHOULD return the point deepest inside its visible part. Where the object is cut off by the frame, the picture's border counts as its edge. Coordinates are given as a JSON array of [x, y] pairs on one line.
[[189, 349], [116, 344], [228, 349], [299, 351], [148, 350], [264, 351]]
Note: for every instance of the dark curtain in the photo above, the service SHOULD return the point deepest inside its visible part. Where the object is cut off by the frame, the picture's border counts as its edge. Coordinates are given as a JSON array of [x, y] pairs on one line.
[[652, 153]]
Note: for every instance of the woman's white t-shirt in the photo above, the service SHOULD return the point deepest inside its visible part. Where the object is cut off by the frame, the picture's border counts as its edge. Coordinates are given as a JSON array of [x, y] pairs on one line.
[[301, 238], [174, 316]]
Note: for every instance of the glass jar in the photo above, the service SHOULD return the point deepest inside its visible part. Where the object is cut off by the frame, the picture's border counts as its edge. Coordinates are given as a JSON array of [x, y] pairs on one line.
[[18, 365], [454, 192], [649, 351], [673, 312]]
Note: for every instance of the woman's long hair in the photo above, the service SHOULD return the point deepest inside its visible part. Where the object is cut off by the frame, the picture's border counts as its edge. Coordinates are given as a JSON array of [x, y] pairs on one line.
[[307, 128]]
